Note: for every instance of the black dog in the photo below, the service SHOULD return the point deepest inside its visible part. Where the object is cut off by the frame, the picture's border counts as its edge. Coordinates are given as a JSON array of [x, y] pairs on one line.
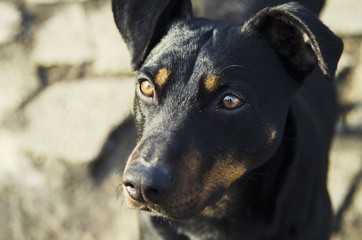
[[234, 122]]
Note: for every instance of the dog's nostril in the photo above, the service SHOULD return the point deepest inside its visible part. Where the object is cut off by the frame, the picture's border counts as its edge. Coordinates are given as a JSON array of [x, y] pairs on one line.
[[147, 184], [153, 195], [133, 191]]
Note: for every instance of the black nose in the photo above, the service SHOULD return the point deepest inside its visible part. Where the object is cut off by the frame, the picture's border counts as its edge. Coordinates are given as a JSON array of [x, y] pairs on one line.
[[147, 184]]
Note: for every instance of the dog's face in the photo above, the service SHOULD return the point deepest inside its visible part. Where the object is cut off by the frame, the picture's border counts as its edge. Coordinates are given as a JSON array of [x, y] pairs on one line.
[[204, 113], [211, 102]]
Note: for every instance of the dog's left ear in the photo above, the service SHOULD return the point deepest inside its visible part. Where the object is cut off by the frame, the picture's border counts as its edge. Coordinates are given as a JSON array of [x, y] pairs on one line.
[[143, 23], [299, 38]]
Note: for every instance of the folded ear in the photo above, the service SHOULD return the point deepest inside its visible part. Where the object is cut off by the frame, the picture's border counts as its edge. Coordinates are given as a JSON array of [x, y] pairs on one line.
[[142, 23], [299, 38]]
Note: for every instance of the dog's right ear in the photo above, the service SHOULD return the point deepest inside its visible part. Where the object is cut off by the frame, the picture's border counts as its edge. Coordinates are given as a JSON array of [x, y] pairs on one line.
[[142, 23]]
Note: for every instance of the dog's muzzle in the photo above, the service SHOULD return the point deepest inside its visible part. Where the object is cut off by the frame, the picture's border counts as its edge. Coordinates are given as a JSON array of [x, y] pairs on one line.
[[147, 184]]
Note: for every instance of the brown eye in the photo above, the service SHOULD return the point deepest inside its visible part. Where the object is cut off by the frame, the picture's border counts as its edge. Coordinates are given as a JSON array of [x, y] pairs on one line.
[[147, 88], [231, 102]]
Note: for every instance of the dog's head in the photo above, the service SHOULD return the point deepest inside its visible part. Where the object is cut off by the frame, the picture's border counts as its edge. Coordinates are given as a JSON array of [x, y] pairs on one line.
[[211, 98]]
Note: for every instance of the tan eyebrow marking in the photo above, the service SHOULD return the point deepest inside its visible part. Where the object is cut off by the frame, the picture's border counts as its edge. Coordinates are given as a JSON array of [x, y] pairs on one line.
[[211, 82], [162, 76]]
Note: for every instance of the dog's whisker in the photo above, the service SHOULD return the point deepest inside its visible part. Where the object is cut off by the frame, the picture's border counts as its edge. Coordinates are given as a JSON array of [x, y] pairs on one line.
[[248, 176], [168, 221], [230, 66], [119, 191], [119, 172]]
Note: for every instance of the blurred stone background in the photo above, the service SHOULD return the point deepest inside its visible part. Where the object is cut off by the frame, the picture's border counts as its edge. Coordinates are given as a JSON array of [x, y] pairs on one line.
[[66, 90]]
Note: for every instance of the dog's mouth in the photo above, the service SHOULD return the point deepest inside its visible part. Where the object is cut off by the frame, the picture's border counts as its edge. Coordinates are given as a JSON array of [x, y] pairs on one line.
[[182, 190], [180, 206]]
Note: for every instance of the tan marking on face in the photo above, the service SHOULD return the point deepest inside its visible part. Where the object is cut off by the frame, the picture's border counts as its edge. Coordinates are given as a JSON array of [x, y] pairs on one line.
[[185, 193], [162, 77], [189, 173], [211, 82], [224, 173], [218, 209]]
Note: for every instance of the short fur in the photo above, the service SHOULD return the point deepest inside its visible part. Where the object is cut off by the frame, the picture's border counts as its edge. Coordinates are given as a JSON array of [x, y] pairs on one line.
[[255, 170]]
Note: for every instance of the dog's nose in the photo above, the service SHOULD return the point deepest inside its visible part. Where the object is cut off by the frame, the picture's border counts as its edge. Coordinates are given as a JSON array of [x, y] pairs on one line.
[[147, 184]]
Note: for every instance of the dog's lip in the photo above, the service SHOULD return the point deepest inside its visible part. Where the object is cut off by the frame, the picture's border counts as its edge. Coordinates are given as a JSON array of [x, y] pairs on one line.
[[179, 210], [193, 209], [145, 208]]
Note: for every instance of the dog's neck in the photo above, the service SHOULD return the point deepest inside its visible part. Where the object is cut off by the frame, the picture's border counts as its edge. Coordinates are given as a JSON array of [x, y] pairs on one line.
[[251, 199]]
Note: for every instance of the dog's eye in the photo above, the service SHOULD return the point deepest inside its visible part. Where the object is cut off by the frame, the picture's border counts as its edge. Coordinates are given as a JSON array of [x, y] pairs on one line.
[[147, 88], [231, 102]]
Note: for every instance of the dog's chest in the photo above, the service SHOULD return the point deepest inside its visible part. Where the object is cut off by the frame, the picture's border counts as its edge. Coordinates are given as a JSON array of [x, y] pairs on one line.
[[200, 230], [222, 229]]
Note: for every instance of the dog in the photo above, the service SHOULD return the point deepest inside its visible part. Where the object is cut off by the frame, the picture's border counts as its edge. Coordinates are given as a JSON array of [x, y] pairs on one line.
[[235, 117]]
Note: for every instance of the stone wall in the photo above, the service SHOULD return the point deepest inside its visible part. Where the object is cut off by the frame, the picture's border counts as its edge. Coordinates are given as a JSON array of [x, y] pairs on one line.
[[65, 86], [345, 175], [66, 90]]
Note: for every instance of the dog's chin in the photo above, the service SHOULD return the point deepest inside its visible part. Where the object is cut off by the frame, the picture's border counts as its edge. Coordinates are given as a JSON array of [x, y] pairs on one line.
[[173, 215], [180, 211]]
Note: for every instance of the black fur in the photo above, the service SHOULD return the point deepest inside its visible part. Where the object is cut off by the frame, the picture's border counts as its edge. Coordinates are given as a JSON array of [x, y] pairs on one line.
[[205, 171]]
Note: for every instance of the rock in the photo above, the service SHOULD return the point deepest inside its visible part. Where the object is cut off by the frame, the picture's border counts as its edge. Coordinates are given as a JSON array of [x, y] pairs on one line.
[[352, 89], [350, 86], [76, 209], [10, 22], [353, 119], [71, 120], [112, 56], [343, 17], [345, 164], [352, 214], [35, 2], [358, 198], [64, 39], [15, 166], [51, 74], [17, 81]]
